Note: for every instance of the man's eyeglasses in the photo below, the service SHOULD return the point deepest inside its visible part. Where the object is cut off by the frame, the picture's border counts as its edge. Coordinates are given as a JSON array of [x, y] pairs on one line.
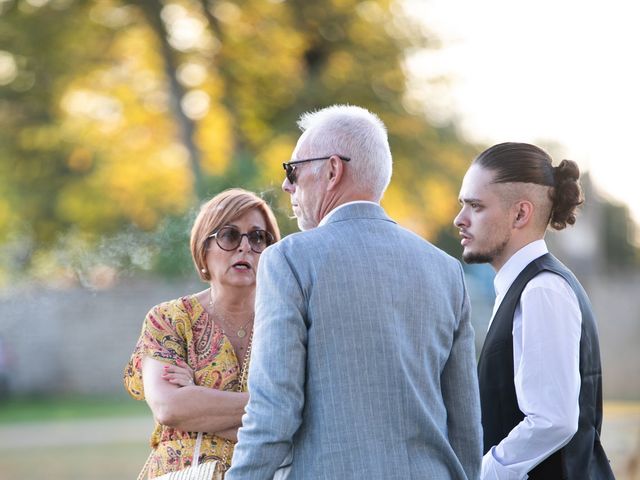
[[230, 238], [290, 167]]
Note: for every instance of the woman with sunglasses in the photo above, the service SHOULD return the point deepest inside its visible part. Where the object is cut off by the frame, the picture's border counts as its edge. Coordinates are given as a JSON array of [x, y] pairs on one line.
[[189, 361]]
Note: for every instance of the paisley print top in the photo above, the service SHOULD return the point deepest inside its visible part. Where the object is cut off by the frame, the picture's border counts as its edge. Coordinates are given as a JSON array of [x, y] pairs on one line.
[[181, 329]]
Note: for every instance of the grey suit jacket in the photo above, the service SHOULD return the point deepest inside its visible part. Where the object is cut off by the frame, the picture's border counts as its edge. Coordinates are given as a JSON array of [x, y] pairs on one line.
[[363, 362]]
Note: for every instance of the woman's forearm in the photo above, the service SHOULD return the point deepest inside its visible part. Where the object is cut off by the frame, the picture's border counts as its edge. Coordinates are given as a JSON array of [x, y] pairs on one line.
[[191, 408], [195, 409]]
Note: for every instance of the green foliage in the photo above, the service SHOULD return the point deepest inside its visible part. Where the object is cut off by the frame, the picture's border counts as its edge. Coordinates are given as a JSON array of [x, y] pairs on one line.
[[117, 118], [171, 241], [618, 234]]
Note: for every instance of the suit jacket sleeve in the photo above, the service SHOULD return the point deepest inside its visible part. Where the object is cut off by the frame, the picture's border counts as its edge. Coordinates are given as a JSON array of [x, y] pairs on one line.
[[276, 373], [461, 395]]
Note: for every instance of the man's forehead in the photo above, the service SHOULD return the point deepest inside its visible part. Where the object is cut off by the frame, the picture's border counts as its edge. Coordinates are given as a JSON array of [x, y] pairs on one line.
[[480, 174], [476, 181], [303, 146]]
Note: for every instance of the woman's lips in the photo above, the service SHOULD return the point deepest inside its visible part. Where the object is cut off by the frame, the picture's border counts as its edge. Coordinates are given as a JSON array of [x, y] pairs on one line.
[[242, 266]]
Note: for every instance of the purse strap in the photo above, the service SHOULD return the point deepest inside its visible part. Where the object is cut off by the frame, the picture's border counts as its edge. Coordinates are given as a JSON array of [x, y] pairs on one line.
[[241, 385], [196, 451], [145, 467]]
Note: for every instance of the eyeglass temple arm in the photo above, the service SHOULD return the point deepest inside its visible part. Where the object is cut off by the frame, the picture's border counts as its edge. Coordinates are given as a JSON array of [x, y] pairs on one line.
[[295, 162]]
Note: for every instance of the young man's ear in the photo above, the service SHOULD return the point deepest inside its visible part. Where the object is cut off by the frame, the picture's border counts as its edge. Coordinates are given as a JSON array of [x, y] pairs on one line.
[[523, 213]]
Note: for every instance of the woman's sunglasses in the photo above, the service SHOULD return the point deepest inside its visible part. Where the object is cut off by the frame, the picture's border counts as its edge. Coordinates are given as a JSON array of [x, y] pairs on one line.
[[230, 238]]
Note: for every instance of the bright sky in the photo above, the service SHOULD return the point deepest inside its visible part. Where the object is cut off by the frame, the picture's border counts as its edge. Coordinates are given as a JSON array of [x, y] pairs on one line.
[[561, 71]]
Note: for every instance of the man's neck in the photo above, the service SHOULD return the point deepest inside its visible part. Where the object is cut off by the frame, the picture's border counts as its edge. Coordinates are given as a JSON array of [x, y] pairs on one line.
[[337, 199], [514, 246], [325, 219], [334, 201]]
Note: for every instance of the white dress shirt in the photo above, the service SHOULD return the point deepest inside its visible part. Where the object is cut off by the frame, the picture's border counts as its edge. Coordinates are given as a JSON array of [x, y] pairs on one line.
[[546, 348]]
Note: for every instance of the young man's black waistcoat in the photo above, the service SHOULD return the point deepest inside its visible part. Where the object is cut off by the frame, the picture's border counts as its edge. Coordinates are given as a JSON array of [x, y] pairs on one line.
[[583, 458]]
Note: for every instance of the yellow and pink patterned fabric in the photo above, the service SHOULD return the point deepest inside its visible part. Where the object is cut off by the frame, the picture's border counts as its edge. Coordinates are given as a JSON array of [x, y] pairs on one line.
[[182, 329]]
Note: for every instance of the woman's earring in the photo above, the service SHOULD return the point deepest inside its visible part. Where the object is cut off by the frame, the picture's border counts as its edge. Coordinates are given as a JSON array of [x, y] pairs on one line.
[[203, 270]]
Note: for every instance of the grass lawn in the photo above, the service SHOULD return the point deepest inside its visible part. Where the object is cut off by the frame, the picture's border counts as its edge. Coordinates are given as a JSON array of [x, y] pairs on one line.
[[122, 457], [77, 462], [35, 409]]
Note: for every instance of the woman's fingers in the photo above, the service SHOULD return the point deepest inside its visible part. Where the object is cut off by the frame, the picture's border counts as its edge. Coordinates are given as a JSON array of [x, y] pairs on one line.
[[186, 370], [181, 376], [181, 380], [182, 364]]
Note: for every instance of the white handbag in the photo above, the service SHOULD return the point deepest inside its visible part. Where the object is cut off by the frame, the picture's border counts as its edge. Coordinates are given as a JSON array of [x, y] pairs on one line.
[[197, 471]]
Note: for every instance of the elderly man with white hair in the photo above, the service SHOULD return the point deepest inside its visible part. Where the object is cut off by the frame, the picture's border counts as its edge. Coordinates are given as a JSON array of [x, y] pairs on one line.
[[363, 365]]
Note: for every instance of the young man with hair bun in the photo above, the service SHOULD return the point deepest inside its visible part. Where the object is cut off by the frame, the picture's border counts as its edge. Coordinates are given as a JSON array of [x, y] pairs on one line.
[[539, 370]]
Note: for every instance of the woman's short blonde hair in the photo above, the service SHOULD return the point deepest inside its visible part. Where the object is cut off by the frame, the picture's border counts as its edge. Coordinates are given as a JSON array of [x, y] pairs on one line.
[[218, 212]]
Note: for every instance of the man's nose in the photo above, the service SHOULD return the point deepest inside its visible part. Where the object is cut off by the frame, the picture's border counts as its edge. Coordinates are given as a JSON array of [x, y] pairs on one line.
[[287, 186], [458, 221]]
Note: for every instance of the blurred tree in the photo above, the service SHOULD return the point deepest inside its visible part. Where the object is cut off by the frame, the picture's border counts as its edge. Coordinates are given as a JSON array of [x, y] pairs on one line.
[[619, 236], [37, 159], [118, 117]]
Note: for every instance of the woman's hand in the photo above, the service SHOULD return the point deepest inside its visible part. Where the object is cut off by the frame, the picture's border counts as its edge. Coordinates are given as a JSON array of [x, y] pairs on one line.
[[229, 434], [181, 374]]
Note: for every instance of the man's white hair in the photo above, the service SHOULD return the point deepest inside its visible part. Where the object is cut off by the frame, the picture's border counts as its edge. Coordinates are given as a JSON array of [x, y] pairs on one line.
[[352, 132]]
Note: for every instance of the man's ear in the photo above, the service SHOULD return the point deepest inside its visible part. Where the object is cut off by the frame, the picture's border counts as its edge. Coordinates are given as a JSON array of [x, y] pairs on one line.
[[523, 213], [335, 172]]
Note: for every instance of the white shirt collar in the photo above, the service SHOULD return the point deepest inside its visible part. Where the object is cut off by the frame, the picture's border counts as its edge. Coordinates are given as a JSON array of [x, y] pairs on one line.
[[325, 219], [518, 261]]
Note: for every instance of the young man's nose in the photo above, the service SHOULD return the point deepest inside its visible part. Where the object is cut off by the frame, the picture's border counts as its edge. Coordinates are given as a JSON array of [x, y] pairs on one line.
[[459, 220]]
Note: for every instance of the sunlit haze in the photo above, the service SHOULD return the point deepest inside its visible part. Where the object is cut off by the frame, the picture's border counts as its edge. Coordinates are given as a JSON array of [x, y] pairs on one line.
[[555, 72]]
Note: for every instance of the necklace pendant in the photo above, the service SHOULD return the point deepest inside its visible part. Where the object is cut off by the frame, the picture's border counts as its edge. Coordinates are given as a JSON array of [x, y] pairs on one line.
[[241, 333]]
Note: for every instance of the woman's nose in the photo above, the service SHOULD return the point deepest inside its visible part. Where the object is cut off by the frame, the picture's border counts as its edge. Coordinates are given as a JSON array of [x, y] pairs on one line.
[[242, 247]]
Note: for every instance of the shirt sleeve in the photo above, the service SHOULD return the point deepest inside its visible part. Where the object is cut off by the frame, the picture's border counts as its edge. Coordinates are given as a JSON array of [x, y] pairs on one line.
[[162, 338], [546, 349]]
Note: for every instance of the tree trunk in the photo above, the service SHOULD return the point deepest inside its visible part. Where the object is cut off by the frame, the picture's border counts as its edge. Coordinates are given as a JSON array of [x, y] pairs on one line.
[[187, 127]]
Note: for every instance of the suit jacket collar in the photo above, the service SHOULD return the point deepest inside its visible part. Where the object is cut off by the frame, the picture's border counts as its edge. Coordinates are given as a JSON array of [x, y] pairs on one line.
[[358, 210]]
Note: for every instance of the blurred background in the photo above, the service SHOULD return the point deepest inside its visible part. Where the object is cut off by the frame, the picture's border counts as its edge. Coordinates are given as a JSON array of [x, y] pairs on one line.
[[117, 119]]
